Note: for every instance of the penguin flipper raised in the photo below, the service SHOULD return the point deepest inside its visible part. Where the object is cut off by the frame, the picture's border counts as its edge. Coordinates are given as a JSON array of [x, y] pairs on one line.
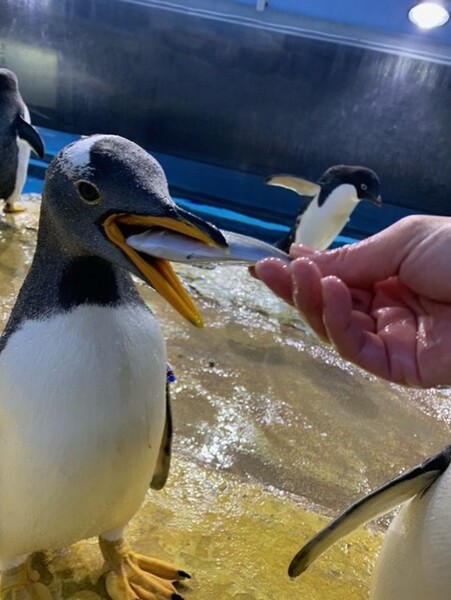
[[296, 184], [164, 455], [382, 500], [29, 134]]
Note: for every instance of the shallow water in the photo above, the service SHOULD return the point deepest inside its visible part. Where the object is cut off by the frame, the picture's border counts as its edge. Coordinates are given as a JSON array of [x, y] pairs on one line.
[[272, 433]]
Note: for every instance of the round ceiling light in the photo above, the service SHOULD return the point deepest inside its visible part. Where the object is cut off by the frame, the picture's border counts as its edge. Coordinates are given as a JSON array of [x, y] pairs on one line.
[[428, 15]]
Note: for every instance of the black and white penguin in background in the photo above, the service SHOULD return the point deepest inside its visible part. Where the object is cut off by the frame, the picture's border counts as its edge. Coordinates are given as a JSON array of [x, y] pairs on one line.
[[333, 198], [17, 137]]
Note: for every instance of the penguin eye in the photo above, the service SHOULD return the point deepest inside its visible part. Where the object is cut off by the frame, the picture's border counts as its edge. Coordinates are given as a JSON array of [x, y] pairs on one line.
[[363, 187], [88, 192]]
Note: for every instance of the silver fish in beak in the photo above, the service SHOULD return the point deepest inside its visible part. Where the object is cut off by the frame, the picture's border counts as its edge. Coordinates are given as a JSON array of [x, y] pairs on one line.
[[176, 247]]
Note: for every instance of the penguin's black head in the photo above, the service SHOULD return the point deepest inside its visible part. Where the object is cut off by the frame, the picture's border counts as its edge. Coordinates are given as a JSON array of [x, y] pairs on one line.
[[365, 181], [8, 81], [104, 188]]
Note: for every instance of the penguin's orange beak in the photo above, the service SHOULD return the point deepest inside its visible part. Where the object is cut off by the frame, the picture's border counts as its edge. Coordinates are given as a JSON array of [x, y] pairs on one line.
[[155, 271]]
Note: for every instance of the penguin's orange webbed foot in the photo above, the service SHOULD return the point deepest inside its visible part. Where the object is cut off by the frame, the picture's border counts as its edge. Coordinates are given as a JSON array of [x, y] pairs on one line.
[[131, 576], [13, 209], [22, 583]]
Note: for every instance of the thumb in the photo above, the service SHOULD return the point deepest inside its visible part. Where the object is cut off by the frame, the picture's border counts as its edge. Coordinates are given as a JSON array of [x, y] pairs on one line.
[[374, 259]]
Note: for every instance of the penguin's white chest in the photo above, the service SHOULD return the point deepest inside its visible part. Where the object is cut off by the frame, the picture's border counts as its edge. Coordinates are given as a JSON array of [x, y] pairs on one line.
[[320, 225], [414, 563], [23, 158], [82, 408]]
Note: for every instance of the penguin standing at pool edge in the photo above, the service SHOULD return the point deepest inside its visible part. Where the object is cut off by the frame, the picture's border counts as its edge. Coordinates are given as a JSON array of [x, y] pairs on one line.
[[414, 560], [17, 136], [333, 198], [89, 427]]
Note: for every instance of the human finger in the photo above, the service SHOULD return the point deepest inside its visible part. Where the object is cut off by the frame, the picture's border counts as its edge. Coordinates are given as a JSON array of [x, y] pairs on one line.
[[307, 295], [276, 275], [374, 259], [352, 333]]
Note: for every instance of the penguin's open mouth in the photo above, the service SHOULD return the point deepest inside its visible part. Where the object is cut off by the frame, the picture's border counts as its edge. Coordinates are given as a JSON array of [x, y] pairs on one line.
[[158, 272]]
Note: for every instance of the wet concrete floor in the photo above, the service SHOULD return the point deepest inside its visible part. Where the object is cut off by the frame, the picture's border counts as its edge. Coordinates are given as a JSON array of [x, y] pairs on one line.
[[273, 434]]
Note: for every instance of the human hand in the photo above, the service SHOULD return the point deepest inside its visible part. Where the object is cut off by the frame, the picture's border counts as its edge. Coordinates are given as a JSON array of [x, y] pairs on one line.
[[384, 303]]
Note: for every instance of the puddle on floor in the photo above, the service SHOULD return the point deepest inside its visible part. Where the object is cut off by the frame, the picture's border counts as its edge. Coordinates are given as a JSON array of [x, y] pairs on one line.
[[272, 430]]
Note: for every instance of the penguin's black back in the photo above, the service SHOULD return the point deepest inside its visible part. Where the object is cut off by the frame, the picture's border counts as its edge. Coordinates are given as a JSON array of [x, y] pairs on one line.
[[8, 164], [11, 107]]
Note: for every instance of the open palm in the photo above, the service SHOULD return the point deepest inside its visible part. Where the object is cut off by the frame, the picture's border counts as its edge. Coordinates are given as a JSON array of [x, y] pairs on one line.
[[385, 303]]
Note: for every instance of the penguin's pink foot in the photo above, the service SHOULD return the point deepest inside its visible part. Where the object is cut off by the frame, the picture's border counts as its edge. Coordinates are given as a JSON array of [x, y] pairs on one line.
[[22, 583], [132, 576]]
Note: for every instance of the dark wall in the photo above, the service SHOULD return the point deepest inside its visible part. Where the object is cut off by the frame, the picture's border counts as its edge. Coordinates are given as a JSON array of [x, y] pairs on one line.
[[234, 96]]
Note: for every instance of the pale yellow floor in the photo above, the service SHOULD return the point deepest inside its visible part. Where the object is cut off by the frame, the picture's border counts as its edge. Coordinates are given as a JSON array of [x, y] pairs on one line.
[[271, 431], [234, 537]]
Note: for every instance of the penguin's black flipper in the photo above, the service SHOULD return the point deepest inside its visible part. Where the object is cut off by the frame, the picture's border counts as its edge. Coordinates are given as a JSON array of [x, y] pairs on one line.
[[285, 242], [377, 503], [164, 455], [28, 133]]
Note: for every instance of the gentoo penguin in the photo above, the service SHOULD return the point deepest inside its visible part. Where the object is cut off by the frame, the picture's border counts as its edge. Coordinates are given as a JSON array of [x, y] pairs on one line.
[[416, 553], [88, 428], [333, 198], [17, 136]]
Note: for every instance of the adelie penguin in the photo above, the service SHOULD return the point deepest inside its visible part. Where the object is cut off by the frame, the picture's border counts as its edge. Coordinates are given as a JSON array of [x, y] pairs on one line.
[[414, 562], [88, 427], [17, 137], [333, 198]]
